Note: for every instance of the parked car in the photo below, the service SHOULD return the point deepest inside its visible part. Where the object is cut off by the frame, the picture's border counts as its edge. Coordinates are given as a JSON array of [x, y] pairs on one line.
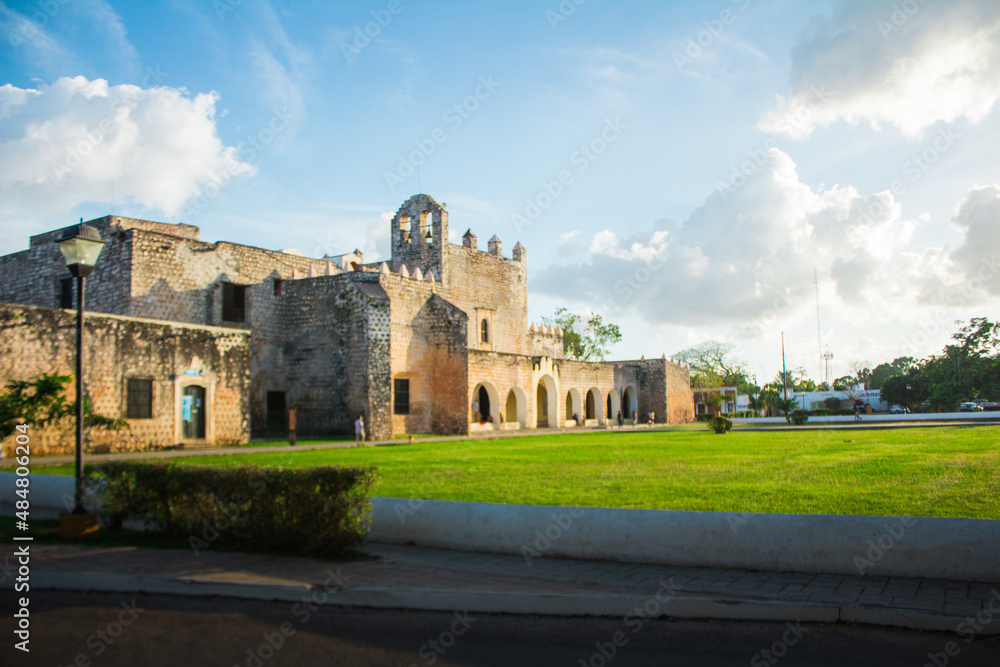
[[990, 407], [899, 410], [970, 407]]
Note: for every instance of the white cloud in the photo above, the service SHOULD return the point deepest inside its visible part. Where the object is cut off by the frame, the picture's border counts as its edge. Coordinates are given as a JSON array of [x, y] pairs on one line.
[[70, 142], [748, 256], [978, 217], [880, 64]]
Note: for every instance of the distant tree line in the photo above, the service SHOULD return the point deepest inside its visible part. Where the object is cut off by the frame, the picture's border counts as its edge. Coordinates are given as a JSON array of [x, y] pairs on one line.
[[968, 369]]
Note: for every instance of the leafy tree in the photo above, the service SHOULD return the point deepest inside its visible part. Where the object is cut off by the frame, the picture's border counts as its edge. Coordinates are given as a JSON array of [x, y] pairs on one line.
[[899, 366], [42, 401], [713, 365], [786, 405], [584, 342], [970, 368], [36, 402], [843, 383], [861, 373], [909, 389]]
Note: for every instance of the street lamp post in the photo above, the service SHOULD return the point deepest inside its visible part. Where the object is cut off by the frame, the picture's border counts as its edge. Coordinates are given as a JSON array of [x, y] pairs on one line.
[[80, 246]]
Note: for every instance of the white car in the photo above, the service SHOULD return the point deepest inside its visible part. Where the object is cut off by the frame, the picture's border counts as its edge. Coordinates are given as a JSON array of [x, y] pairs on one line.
[[899, 410]]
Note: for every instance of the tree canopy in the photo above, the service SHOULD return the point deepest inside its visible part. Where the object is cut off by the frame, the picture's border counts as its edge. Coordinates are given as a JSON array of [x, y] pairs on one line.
[[714, 365], [586, 342]]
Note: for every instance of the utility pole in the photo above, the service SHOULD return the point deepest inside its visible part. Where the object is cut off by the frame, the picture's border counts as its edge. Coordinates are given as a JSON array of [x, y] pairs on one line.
[[819, 330], [784, 373]]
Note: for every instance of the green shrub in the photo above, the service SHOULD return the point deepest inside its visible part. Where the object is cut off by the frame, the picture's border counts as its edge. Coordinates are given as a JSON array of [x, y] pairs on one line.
[[720, 424], [800, 417], [832, 403], [704, 417], [822, 413], [322, 511]]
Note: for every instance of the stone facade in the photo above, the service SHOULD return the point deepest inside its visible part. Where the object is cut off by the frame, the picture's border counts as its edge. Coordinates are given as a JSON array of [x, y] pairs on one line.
[[434, 340], [172, 360]]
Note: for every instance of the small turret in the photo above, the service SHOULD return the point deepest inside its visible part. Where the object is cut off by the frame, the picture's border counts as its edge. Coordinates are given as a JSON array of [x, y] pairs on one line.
[[519, 253], [495, 246], [469, 240]]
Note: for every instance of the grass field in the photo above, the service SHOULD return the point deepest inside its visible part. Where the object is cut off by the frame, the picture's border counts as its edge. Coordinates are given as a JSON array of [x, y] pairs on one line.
[[951, 471]]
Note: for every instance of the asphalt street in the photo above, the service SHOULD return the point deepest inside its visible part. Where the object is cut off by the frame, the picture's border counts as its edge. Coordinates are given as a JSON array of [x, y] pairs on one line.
[[98, 629]]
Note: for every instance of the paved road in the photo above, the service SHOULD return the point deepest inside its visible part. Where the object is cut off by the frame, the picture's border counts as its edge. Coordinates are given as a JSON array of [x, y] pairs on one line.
[[150, 631]]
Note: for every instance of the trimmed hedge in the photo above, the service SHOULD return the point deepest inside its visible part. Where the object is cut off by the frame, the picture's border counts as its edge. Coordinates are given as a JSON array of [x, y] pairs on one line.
[[720, 425], [799, 417], [322, 511]]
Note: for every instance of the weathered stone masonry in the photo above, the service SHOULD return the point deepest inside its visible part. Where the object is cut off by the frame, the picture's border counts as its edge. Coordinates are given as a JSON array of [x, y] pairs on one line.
[[333, 337], [173, 356]]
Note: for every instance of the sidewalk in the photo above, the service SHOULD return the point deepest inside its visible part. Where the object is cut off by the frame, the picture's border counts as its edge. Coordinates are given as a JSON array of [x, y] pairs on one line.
[[435, 579]]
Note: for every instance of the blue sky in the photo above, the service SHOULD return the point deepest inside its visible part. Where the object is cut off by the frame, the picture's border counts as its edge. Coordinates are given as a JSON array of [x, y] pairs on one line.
[[714, 157]]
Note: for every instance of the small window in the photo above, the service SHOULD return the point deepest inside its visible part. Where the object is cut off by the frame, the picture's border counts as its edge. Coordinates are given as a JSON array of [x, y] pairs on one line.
[[139, 399], [427, 227], [66, 293], [277, 287], [486, 331], [401, 396], [234, 302]]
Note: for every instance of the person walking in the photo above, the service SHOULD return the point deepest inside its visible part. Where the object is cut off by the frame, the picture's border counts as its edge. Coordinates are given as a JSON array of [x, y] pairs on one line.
[[857, 412], [359, 430], [621, 422]]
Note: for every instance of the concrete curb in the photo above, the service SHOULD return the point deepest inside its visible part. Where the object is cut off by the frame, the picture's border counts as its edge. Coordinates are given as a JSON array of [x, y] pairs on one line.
[[492, 602], [921, 547]]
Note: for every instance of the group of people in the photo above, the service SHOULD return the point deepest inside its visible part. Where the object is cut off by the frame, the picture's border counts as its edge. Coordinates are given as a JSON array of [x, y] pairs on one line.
[[650, 418]]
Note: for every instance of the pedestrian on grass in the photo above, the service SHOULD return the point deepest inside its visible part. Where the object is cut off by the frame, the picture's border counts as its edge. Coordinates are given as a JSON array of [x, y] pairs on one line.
[[857, 412], [359, 430], [621, 422]]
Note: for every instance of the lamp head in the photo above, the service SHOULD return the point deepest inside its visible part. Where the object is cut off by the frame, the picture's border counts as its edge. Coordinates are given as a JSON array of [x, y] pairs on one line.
[[81, 245]]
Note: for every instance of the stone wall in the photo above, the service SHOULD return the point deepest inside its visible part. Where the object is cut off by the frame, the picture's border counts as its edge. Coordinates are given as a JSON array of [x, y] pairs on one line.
[[680, 397], [428, 349], [325, 343], [34, 341]]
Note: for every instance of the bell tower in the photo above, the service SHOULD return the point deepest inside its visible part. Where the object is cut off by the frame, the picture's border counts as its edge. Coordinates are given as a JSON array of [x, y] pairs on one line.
[[419, 235]]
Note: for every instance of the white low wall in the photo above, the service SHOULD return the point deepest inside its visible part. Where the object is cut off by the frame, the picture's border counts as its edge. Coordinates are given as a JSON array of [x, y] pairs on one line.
[[912, 417], [957, 549]]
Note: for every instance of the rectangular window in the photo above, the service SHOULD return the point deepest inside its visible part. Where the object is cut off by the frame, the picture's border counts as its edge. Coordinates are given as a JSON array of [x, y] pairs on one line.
[[401, 397], [277, 288], [66, 293], [139, 399], [234, 302]]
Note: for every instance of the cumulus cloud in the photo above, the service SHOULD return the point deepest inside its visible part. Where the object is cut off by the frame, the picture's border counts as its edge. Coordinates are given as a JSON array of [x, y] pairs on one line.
[[978, 217], [72, 141], [747, 257], [908, 64]]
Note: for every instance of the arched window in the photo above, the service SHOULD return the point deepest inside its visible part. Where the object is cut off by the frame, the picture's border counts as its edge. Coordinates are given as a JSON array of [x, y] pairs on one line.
[[485, 328]]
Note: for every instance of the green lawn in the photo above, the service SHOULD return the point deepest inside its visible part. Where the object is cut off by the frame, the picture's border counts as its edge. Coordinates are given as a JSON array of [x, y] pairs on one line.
[[950, 471]]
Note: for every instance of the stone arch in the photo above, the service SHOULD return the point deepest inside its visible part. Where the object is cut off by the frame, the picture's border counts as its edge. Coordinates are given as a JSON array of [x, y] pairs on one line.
[[546, 403], [489, 392], [612, 405], [574, 405], [592, 407], [516, 406], [630, 402]]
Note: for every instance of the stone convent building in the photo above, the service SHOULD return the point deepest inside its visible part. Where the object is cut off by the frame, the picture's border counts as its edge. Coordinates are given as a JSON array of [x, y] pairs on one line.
[[214, 342]]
